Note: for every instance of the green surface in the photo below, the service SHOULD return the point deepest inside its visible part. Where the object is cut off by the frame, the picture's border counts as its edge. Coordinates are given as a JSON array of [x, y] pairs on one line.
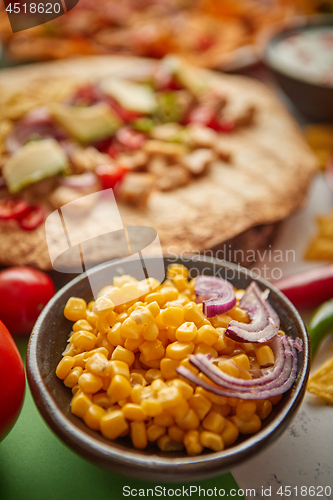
[[36, 465]]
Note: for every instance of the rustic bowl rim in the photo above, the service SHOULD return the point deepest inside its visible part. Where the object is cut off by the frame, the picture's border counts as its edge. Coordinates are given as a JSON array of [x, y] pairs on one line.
[[152, 466]]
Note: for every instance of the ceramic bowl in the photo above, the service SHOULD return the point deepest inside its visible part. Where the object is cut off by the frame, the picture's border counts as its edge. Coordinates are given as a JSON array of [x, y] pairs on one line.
[[53, 399], [315, 101]]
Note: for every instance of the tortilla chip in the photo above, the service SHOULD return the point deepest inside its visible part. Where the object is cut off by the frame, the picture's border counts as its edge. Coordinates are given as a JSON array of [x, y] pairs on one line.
[[321, 383]]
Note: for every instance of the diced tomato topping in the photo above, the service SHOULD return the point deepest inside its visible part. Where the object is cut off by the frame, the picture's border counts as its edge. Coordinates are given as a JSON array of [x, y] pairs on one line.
[[110, 175], [33, 218], [125, 114], [13, 209], [205, 42], [206, 116], [113, 151], [130, 138]]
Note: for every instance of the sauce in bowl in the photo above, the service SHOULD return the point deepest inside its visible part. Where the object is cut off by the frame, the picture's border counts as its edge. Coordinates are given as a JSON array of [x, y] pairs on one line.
[[306, 55]]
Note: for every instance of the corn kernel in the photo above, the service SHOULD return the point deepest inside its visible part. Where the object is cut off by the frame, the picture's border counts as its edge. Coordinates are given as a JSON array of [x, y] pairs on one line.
[[136, 394], [137, 379], [166, 444], [153, 308], [247, 426], [180, 410], [189, 421], [102, 399], [186, 332], [200, 404], [73, 377], [214, 422], [246, 409], [75, 389], [265, 410], [163, 337], [122, 354], [221, 321], [216, 399], [185, 388], [165, 419], [168, 368], [75, 309], [133, 411], [130, 329], [90, 383], [172, 316], [119, 368], [155, 297], [192, 443], [238, 314], [242, 361], [169, 397], [230, 433], [113, 424], [211, 440], [177, 270], [203, 348], [82, 324], [102, 325], [64, 367], [170, 293], [208, 335], [176, 433], [91, 318], [193, 313], [151, 332], [223, 410], [275, 399], [102, 341], [152, 350], [121, 316], [154, 432], [80, 404], [114, 335], [103, 306], [229, 367], [133, 345], [93, 416], [153, 374], [154, 363], [98, 364], [186, 363], [265, 356], [84, 340], [120, 388], [179, 350], [151, 407]]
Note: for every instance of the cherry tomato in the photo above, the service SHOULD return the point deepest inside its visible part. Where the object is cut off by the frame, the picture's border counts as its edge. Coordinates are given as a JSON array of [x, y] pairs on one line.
[[129, 138], [32, 218], [12, 378], [13, 208], [110, 175], [24, 292]]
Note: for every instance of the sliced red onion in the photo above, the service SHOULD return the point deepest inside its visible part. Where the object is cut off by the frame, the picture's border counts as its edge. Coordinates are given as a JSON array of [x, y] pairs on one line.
[[216, 294], [81, 181], [37, 124], [239, 389], [262, 327]]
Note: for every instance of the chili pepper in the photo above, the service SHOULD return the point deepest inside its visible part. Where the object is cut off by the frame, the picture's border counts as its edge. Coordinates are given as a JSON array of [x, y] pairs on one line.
[[320, 325], [308, 289]]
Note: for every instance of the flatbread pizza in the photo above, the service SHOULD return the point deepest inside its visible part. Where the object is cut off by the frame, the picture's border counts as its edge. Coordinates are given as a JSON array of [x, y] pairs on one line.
[[199, 156]]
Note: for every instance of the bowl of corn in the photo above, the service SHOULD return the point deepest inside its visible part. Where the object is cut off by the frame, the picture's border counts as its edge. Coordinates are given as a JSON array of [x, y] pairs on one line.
[[106, 380]]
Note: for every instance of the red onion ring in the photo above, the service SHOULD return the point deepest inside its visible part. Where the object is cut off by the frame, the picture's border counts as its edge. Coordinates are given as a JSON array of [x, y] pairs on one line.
[[216, 294], [264, 321], [274, 388]]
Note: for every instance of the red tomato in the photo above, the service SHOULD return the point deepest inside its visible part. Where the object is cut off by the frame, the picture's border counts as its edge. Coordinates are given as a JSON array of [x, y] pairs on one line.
[[24, 292], [125, 114], [32, 218], [13, 208], [12, 385], [110, 175]]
